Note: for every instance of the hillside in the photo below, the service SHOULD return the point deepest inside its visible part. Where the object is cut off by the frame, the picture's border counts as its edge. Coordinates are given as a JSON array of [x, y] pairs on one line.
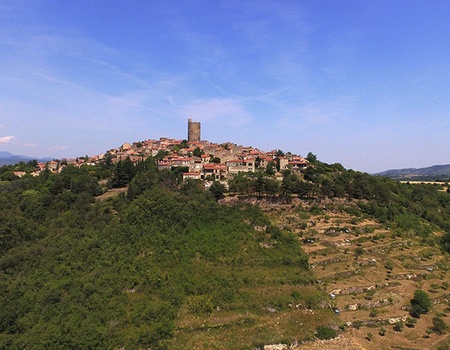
[[428, 173], [370, 272], [7, 158], [169, 269], [164, 264]]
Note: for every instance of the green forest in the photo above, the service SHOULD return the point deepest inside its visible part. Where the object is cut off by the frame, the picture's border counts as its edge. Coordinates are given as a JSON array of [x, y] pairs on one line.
[[79, 271]]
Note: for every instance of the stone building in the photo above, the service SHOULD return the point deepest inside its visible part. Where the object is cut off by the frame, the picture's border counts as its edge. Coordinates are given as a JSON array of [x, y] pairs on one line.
[[193, 131]]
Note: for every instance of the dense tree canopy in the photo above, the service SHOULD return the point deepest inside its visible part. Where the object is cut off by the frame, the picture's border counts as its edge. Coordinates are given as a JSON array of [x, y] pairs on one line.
[[84, 274]]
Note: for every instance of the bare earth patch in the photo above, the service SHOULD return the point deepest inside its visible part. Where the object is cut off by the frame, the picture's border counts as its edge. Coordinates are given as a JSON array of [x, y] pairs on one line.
[[111, 193]]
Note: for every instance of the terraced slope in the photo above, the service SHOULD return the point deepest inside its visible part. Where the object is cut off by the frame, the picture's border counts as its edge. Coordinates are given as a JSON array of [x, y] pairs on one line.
[[370, 272]]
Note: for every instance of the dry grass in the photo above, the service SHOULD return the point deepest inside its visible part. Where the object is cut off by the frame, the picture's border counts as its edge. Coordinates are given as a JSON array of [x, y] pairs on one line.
[[111, 193], [415, 266], [223, 330]]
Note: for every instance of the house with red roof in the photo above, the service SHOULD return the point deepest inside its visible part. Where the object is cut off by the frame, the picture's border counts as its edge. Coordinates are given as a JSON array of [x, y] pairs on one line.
[[236, 166], [216, 171]]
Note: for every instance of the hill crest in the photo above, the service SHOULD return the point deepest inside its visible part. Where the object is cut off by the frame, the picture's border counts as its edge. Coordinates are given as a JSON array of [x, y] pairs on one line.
[[435, 171]]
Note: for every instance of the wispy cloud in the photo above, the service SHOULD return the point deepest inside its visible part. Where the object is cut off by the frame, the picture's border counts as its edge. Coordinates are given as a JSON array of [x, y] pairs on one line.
[[50, 79], [218, 110], [6, 139]]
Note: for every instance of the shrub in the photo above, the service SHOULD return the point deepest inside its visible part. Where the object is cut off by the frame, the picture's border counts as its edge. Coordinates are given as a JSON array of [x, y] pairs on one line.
[[439, 325], [357, 324], [200, 304], [389, 265], [398, 326], [420, 304], [359, 251], [410, 322], [434, 287], [324, 332]]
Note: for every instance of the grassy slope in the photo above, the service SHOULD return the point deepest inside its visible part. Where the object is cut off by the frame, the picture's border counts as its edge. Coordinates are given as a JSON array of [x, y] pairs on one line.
[[165, 271]]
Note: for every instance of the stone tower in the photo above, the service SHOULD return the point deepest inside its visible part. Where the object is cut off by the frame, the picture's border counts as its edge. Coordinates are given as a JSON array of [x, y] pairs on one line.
[[193, 131]]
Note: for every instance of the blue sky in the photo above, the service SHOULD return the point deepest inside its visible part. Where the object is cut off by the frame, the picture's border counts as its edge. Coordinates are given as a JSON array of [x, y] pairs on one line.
[[363, 83]]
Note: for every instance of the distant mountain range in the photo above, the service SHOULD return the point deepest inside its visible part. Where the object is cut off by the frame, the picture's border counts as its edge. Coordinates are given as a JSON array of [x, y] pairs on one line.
[[428, 173], [7, 158]]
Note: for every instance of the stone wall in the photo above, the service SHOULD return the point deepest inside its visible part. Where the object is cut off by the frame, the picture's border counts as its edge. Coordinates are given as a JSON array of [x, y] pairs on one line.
[[193, 131]]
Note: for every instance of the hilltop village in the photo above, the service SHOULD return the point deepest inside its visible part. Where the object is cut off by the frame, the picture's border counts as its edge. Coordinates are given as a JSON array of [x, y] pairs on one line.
[[202, 159]]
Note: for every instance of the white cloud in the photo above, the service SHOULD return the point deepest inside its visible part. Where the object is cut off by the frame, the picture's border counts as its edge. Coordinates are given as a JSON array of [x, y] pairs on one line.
[[6, 139], [59, 148]]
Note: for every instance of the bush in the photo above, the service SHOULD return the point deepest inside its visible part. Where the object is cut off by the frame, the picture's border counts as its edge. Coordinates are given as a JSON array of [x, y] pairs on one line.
[[358, 252], [389, 265], [324, 332], [439, 325], [410, 322], [398, 326], [420, 304]]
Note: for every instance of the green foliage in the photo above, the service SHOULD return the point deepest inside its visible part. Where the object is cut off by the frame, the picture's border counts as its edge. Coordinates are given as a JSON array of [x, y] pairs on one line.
[[324, 332], [398, 326], [249, 183], [312, 158], [217, 190], [79, 274], [292, 184], [410, 322], [445, 242], [198, 152], [161, 154], [389, 265], [270, 168], [124, 173], [359, 251], [420, 304], [199, 304], [184, 144], [439, 325]]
